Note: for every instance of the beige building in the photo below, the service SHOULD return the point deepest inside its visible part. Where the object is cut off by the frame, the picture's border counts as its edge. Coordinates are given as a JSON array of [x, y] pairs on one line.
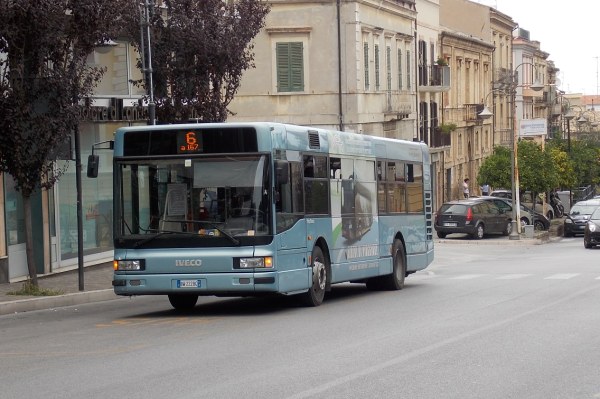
[[467, 48], [342, 65], [433, 76]]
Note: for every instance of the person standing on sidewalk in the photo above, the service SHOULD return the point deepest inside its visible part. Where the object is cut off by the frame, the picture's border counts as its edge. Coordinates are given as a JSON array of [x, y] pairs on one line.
[[466, 188], [485, 189]]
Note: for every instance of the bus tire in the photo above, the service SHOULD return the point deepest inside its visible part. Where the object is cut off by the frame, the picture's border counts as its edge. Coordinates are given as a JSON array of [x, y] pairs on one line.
[[183, 301], [394, 281], [320, 274]]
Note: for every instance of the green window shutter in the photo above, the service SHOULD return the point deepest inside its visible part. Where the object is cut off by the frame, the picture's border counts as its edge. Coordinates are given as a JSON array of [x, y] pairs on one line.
[[290, 67]]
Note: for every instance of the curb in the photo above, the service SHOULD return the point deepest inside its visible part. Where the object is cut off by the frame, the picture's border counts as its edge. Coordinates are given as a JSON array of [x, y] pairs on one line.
[[49, 302], [521, 241]]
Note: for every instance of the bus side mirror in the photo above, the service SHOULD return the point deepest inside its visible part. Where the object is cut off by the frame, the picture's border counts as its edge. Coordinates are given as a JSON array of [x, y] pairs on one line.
[[92, 166], [282, 174]]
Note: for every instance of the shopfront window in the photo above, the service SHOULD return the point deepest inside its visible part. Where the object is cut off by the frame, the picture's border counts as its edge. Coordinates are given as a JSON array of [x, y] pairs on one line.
[[15, 221], [96, 197]]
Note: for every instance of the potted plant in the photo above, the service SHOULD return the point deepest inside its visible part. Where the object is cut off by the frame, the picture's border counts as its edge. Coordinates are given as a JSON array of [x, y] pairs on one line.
[[441, 61], [447, 128]]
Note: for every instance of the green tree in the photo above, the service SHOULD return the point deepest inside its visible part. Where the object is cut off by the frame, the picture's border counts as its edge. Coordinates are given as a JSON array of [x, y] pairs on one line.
[[585, 159], [43, 76], [564, 167], [199, 49], [537, 171], [496, 169]]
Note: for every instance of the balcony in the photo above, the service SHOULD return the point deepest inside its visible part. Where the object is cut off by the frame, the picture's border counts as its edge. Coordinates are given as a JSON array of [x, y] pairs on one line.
[[439, 138], [434, 78]]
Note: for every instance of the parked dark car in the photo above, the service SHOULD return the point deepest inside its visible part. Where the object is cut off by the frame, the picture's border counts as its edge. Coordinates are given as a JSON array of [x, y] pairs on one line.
[[474, 216], [591, 232], [578, 216], [527, 215]]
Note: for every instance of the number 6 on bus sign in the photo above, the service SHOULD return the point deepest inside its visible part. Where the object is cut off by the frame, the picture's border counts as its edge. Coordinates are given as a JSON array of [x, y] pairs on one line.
[[188, 283]]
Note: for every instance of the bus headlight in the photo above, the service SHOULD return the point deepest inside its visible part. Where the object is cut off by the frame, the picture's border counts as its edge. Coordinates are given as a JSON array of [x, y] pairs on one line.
[[256, 263], [128, 265]]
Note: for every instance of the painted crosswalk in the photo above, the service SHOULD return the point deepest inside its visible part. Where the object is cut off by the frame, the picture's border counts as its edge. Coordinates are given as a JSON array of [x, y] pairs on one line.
[[513, 276], [562, 276]]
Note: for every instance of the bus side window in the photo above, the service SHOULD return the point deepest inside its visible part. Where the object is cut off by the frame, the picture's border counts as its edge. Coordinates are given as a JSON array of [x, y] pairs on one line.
[[316, 187], [415, 200], [309, 166], [335, 168]]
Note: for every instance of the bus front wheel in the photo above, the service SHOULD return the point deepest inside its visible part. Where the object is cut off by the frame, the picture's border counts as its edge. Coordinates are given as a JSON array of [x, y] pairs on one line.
[[183, 301], [320, 274]]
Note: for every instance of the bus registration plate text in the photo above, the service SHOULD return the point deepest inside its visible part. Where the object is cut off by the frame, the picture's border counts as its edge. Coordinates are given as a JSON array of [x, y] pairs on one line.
[[188, 283]]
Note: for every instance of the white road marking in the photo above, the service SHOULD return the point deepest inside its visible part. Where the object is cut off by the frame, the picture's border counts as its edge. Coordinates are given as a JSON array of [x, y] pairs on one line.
[[562, 276], [513, 276], [467, 277]]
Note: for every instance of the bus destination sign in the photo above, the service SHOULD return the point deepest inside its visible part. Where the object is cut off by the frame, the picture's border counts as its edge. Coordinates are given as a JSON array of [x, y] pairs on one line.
[[189, 142]]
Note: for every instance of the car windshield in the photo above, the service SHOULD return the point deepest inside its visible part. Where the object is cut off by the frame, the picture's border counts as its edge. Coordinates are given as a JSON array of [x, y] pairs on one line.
[[596, 214], [583, 209]]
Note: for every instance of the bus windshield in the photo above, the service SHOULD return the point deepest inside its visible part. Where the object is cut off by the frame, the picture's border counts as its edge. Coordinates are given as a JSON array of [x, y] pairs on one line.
[[224, 196]]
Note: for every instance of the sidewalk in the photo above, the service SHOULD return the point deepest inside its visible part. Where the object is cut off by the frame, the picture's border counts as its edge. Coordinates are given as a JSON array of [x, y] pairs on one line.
[[97, 283]]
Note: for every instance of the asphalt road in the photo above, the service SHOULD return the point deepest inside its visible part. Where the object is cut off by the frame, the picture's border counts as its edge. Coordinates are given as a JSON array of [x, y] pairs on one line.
[[484, 321]]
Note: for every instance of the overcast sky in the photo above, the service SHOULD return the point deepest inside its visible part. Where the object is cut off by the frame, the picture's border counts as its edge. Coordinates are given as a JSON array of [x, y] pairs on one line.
[[567, 30]]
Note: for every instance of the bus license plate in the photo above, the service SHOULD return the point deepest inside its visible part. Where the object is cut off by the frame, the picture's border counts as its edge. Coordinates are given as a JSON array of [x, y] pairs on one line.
[[188, 283], [450, 224]]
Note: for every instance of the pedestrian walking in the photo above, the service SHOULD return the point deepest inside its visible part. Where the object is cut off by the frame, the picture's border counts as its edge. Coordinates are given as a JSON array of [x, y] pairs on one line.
[[466, 188]]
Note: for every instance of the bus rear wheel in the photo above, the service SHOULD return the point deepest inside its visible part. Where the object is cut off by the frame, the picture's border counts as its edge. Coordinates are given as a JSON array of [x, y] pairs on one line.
[[320, 273], [394, 281], [183, 301]]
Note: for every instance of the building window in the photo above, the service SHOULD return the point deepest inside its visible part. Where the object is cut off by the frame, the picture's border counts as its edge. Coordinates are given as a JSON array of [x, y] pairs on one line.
[[388, 67], [399, 69], [366, 57], [377, 80], [15, 219], [408, 83], [290, 66]]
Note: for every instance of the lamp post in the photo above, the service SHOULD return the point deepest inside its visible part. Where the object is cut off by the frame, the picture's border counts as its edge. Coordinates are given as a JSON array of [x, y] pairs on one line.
[[512, 85]]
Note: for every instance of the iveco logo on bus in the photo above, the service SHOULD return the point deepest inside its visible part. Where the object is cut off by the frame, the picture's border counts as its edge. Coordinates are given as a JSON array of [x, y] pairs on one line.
[[188, 262]]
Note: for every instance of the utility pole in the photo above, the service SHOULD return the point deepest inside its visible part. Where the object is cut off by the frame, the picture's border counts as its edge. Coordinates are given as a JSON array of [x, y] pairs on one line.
[[597, 85], [148, 6]]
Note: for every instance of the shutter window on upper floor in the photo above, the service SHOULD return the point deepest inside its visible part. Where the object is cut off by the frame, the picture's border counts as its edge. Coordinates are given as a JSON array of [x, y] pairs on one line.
[[290, 66]]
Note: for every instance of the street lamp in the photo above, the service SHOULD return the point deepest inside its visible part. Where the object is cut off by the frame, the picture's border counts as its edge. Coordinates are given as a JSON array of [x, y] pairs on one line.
[[535, 86], [485, 114]]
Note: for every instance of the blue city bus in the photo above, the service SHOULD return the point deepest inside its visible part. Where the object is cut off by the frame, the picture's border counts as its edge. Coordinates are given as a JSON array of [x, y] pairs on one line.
[[249, 209]]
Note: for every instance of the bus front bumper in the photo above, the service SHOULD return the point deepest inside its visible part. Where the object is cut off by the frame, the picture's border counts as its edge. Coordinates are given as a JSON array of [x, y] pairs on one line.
[[235, 284]]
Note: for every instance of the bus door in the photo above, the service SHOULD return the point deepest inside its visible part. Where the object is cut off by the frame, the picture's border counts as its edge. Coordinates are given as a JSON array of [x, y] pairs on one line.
[[290, 225], [354, 221]]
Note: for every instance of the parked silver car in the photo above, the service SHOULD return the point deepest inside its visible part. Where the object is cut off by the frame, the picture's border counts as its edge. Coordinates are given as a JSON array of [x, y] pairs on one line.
[[527, 215], [526, 200]]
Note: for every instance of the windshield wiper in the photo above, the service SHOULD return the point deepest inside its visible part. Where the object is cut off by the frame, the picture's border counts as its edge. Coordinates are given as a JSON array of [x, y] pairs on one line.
[[215, 226], [190, 233], [147, 240]]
